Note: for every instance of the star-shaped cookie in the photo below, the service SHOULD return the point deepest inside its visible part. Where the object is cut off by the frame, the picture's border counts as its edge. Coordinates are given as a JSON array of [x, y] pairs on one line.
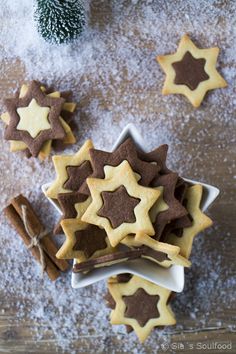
[[141, 305], [175, 208], [191, 71], [29, 111], [176, 226], [200, 221], [83, 241], [137, 201], [66, 114], [158, 207], [78, 164], [157, 156], [126, 151], [72, 205], [152, 246]]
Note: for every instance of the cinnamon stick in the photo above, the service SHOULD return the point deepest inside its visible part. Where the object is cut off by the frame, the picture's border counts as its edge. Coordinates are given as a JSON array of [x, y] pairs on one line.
[[15, 215], [15, 220], [35, 224]]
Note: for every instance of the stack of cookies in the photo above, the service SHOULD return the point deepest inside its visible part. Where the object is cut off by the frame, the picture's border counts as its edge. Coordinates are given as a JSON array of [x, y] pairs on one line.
[[37, 119], [124, 205]]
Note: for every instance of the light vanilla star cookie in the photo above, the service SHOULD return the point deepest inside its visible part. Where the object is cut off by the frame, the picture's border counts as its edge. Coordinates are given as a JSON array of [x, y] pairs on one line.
[[71, 171], [83, 241], [200, 221], [119, 204], [191, 71], [159, 206], [140, 304]]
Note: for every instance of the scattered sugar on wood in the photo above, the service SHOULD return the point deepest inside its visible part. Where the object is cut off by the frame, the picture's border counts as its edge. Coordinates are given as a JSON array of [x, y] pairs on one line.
[[113, 73]]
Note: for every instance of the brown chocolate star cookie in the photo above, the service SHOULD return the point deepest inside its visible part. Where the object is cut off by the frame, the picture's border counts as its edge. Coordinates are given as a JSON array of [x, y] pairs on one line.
[[72, 205], [67, 113], [148, 301], [141, 305], [83, 241], [77, 175], [158, 157], [34, 118], [176, 226], [181, 189], [126, 151], [175, 210]]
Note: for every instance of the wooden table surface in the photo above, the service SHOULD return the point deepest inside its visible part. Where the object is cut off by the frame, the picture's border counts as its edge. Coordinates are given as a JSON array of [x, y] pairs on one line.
[[210, 159]]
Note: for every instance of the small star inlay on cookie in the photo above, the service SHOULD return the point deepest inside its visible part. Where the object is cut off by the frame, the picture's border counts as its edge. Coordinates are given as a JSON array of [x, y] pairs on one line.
[[63, 164], [83, 241], [190, 71], [149, 306], [28, 115], [116, 200], [77, 175], [90, 240]]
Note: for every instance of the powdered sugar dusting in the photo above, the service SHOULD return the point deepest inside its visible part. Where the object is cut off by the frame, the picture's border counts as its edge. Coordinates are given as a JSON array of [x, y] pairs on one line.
[[116, 80]]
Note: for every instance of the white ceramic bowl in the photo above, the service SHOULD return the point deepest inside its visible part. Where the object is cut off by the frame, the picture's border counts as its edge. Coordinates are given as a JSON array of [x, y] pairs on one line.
[[171, 278]]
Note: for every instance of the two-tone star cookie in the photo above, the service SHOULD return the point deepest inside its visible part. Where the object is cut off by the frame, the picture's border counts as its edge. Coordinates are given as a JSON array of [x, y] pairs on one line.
[[72, 205], [191, 71], [126, 151], [175, 208], [162, 253], [159, 253], [200, 221], [166, 209], [35, 120], [119, 204], [107, 260], [141, 305], [83, 241], [71, 171]]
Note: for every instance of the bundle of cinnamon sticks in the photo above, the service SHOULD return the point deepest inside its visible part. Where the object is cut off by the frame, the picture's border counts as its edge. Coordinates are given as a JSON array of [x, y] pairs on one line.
[[23, 218]]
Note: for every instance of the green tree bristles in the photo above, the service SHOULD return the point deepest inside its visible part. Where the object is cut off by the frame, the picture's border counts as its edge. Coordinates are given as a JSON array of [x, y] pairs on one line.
[[59, 21]]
